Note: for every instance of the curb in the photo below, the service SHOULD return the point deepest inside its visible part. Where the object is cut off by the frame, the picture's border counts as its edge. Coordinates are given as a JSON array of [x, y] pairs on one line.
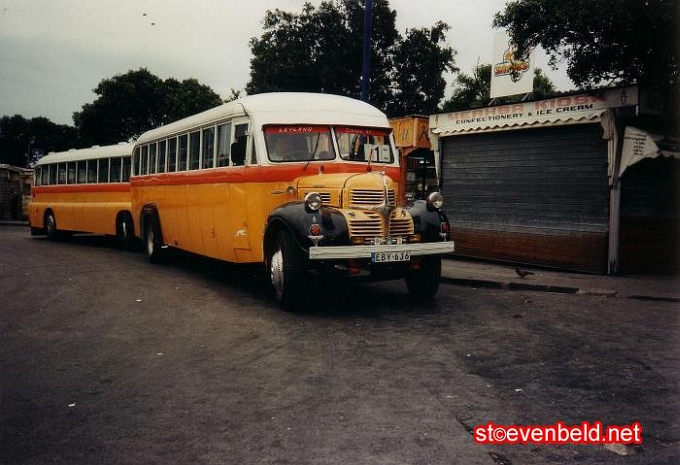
[[489, 284]]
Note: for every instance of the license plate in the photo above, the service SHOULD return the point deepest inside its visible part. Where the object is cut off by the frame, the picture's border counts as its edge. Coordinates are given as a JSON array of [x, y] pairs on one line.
[[385, 257]]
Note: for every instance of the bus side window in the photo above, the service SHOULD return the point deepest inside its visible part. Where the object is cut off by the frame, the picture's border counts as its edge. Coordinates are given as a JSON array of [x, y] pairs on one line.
[[238, 151], [144, 166], [115, 169], [71, 172], [103, 175], [152, 158], [53, 174], [238, 148], [91, 171], [45, 175], [183, 152], [135, 160], [81, 172], [161, 156], [127, 166], [223, 144], [61, 173], [194, 150], [172, 155], [208, 148]]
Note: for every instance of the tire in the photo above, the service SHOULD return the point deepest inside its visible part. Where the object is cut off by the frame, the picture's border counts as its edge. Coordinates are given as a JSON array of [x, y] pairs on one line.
[[153, 242], [51, 230], [423, 283], [286, 271], [125, 231]]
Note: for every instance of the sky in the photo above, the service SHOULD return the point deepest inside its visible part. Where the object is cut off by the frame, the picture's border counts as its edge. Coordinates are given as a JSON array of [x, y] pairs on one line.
[[53, 53]]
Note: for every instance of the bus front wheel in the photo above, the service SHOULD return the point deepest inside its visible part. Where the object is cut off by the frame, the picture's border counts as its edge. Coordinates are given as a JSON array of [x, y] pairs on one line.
[[423, 283], [125, 230], [286, 271]]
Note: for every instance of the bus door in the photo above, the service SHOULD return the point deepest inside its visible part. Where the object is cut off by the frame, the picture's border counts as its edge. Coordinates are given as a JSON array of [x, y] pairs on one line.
[[241, 192], [228, 202]]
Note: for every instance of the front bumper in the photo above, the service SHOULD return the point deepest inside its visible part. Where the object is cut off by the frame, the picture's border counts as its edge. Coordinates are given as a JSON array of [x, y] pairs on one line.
[[348, 252]]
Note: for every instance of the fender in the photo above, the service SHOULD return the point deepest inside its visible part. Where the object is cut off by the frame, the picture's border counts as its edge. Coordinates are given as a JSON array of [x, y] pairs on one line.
[[297, 219], [427, 221]]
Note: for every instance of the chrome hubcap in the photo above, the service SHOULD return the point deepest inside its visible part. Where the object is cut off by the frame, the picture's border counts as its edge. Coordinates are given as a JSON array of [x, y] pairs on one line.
[[149, 241], [276, 271], [50, 225]]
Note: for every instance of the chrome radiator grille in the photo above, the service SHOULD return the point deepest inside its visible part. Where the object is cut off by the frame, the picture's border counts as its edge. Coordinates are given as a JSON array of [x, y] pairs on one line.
[[369, 225], [362, 197], [401, 226]]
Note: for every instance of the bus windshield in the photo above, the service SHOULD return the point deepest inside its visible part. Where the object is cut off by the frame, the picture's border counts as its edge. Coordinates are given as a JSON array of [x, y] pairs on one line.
[[364, 144], [298, 143], [295, 143]]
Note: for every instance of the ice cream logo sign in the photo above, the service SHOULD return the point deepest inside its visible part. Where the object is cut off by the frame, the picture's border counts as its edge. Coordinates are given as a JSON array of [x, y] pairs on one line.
[[508, 74], [515, 68]]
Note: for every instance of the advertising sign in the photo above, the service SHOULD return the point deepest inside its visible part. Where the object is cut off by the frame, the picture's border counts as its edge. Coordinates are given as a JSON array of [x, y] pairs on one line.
[[510, 75]]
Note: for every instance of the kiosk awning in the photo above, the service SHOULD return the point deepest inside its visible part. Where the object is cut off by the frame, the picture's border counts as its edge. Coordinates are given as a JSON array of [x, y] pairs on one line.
[[639, 144]]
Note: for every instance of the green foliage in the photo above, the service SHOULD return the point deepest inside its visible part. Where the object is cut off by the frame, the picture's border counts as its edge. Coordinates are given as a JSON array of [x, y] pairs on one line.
[[320, 50], [22, 140], [131, 103], [420, 63], [619, 41], [473, 91]]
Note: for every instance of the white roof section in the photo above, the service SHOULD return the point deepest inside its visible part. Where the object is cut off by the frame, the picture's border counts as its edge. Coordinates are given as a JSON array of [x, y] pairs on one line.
[[94, 152], [564, 110], [281, 108], [16, 169]]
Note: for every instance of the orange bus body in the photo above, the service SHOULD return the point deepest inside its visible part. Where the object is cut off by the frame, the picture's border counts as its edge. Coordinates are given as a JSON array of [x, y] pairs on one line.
[[76, 204], [211, 212]]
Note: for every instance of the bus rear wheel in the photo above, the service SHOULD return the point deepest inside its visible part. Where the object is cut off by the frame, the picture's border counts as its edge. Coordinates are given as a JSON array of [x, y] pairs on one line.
[[51, 226], [153, 240], [286, 272]]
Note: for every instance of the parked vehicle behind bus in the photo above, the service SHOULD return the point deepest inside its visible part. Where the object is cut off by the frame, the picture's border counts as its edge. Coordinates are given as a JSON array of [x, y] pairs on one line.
[[304, 183], [83, 191]]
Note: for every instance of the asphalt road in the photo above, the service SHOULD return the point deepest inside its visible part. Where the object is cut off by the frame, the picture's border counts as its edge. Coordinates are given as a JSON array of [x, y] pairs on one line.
[[106, 359]]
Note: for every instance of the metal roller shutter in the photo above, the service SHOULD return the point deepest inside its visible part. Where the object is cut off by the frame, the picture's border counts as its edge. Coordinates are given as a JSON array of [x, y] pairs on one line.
[[536, 196]]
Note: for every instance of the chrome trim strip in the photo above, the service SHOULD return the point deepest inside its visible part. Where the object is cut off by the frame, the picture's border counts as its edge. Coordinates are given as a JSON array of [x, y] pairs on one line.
[[364, 251]]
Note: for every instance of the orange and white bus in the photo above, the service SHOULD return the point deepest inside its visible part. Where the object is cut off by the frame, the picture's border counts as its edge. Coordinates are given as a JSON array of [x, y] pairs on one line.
[[304, 183], [83, 191]]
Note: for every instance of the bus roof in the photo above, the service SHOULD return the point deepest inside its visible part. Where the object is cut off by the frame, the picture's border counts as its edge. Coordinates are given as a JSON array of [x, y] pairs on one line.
[[92, 153], [282, 108]]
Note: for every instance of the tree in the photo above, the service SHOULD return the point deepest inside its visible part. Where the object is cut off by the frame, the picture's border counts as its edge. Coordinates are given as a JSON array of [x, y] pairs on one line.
[[320, 50], [187, 98], [473, 91], [132, 103], [23, 140], [620, 41], [420, 62]]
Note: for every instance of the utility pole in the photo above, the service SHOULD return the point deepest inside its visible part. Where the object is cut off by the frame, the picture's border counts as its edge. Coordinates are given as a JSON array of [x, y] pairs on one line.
[[366, 68]]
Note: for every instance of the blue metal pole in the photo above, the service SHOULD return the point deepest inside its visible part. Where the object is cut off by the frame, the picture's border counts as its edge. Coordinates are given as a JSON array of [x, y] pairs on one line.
[[366, 68]]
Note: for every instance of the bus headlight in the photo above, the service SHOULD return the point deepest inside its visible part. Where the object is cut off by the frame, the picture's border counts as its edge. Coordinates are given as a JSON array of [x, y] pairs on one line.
[[435, 200], [313, 201]]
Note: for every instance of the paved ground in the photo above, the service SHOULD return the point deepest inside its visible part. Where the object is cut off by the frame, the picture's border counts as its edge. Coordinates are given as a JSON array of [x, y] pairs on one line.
[[106, 359]]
